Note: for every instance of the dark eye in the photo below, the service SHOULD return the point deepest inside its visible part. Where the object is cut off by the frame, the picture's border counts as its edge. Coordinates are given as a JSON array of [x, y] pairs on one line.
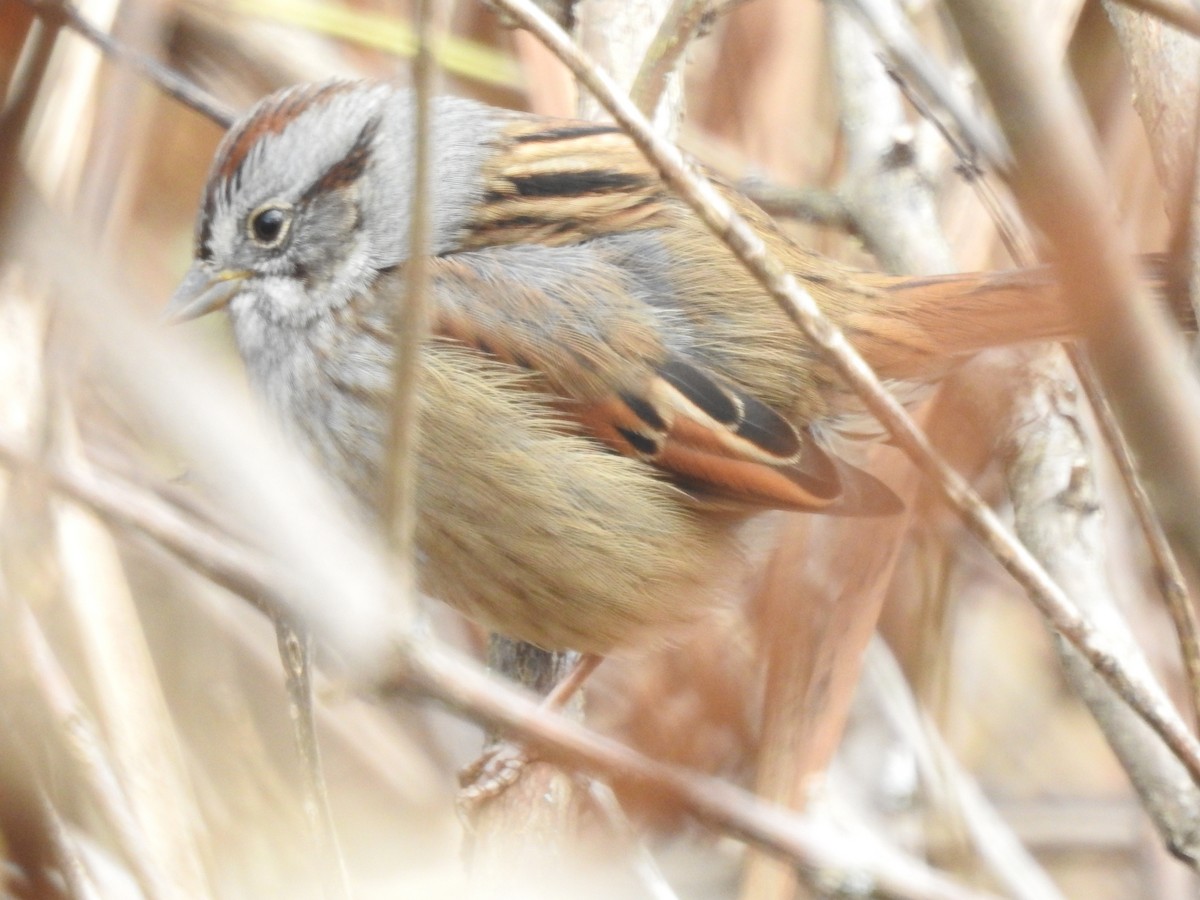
[[269, 225]]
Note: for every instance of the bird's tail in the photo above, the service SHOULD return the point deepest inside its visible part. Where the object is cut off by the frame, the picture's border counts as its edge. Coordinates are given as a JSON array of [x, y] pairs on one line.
[[922, 325]]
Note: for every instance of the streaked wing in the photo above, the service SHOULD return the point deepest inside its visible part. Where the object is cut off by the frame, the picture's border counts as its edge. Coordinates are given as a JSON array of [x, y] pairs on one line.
[[570, 318], [591, 177]]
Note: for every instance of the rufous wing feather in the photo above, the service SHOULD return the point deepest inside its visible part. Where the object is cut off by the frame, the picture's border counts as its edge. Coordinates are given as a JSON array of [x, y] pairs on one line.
[[727, 448], [616, 382]]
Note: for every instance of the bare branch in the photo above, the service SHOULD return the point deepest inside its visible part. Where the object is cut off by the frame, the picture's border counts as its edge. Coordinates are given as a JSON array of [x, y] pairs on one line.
[[171, 83], [434, 673], [426, 671], [1169, 576], [803, 310], [683, 22], [811, 205], [1058, 516], [915, 66]]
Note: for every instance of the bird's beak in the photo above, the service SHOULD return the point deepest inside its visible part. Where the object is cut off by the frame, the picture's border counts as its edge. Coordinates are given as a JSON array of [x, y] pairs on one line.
[[203, 292]]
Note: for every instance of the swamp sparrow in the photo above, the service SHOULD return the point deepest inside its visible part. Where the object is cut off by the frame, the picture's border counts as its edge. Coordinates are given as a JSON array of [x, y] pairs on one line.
[[606, 396]]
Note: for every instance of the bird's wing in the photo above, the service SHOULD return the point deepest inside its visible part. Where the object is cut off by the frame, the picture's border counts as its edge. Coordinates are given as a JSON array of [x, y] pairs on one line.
[[574, 321], [589, 175]]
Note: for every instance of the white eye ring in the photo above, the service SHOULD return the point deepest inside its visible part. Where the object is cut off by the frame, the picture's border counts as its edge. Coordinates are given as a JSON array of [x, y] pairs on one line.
[[268, 225]]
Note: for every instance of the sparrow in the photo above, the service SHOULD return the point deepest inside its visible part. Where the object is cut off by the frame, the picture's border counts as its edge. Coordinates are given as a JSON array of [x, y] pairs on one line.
[[607, 400]]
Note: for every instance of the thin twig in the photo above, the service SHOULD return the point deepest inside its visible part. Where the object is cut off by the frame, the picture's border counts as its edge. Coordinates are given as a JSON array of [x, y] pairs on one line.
[[1167, 573], [684, 21], [812, 205], [296, 654], [1169, 576], [718, 215], [409, 328], [171, 83], [915, 66], [1013, 237]]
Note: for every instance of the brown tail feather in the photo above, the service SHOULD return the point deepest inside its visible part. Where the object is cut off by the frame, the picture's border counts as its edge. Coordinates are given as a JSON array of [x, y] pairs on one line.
[[921, 325]]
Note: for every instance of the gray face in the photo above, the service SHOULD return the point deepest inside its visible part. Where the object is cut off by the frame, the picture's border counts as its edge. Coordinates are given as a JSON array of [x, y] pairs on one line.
[[307, 199], [279, 232]]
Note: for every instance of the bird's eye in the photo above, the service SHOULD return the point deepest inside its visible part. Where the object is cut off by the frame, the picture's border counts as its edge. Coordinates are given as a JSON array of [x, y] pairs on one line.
[[268, 225]]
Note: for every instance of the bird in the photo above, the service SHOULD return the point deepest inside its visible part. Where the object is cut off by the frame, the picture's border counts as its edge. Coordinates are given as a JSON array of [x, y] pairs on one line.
[[606, 400]]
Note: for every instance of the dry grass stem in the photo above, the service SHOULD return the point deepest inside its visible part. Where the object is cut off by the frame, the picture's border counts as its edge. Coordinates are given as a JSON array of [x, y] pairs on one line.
[[411, 327]]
